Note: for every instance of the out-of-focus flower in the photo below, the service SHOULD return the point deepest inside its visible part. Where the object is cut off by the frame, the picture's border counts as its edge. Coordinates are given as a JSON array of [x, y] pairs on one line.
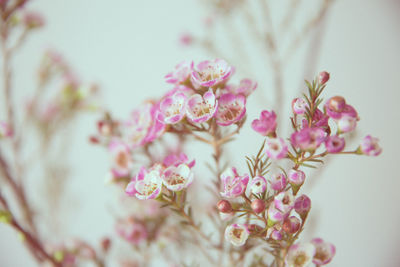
[[181, 73], [210, 73], [299, 106], [278, 181], [266, 125], [258, 185], [334, 144], [132, 231], [300, 255], [308, 138], [231, 109], [324, 251], [172, 108], [146, 184], [122, 160], [245, 87], [143, 126], [33, 20], [370, 146], [233, 184], [176, 160], [237, 234], [202, 108], [186, 39], [5, 130], [346, 124], [177, 178], [276, 148]]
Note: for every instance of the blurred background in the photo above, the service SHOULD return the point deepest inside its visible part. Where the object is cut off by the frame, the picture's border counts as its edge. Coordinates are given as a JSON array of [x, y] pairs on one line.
[[127, 47]]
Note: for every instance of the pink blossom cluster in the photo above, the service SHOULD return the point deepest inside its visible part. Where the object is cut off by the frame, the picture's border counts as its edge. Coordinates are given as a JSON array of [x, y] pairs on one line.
[[263, 203], [271, 200], [174, 174], [201, 95], [314, 127]]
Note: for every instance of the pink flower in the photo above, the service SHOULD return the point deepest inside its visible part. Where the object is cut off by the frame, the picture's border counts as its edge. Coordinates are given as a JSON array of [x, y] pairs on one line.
[[336, 108], [246, 87], [258, 185], [320, 119], [156, 128], [370, 146], [284, 202], [231, 109], [234, 185], [302, 205], [172, 108], [324, 251], [334, 144], [276, 234], [323, 77], [308, 138], [296, 179], [186, 39], [122, 160], [180, 74], [237, 234], [146, 184], [176, 160], [202, 108], [299, 106], [138, 126], [210, 73], [177, 178], [346, 124], [266, 125], [5, 130], [300, 255], [33, 20], [132, 231], [278, 182], [276, 148]]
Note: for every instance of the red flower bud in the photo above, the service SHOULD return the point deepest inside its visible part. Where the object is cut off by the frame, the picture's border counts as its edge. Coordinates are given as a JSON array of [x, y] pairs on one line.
[[258, 205], [224, 206]]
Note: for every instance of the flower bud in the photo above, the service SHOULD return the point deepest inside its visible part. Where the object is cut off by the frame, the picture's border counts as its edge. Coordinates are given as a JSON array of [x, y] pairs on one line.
[[291, 225], [258, 205], [296, 179], [299, 106], [302, 205], [105, 244], [224, 206], [278, 182], [323, 77], [276, 235]]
